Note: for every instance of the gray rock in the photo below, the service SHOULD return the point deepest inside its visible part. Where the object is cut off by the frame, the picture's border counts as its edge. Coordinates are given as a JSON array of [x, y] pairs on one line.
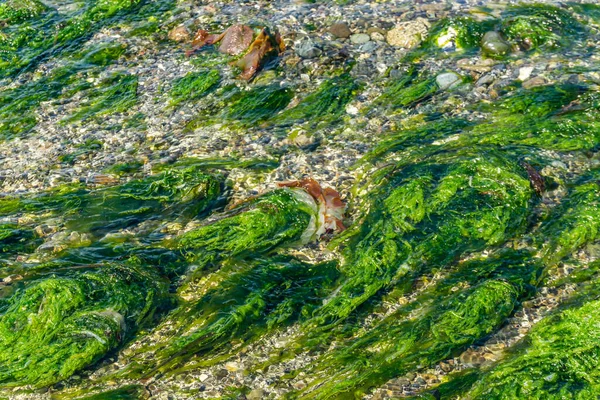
[[360, 38], [368, 47], [447, 80], [308, 49], [340, 30]]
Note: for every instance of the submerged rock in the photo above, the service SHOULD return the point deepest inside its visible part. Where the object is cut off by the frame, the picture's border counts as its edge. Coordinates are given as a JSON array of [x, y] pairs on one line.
[[340, 30], [494, 44], [408, 34], [448, 80]]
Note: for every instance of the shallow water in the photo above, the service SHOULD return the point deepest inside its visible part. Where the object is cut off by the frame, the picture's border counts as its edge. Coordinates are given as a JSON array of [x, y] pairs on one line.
[[147, 250]]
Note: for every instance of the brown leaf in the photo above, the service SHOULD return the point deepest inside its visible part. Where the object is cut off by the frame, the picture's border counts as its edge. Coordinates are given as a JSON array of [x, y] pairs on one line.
[[236, 40], [265, 46]]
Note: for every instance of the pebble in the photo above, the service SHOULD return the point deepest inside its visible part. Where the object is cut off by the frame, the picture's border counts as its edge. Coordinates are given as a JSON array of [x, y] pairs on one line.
[[408, 34], [524, 73], [308, 49], [360, 38], [340, 30], [533, 82], [448, 80]]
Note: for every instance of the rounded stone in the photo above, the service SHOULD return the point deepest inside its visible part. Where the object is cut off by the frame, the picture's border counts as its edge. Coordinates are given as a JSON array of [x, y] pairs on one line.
[[340, 30], [360, 38], [494, 44], [447, 80]]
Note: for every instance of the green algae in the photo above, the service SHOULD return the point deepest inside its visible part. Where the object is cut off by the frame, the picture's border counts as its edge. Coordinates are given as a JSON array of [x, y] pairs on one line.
[[557, 360], [575, 222], [59, 325], [30, 41], [257, 104], [407, 91], [91, 225], [465, 307], [13, 11], [252, 299], [114, 94], [193, 86], [539, 26], [18, 105], [326, 104], [424, 217], [280, 217], [465, 33]]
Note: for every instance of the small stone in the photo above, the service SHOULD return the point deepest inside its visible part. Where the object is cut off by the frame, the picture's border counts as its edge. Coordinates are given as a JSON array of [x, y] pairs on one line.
[[255, 394], [448, 80], [232, 366], [340, 30], [360, 38], [376, 36], [524, 73], [368, 47], [408, 34], [494, 44], [533, 82], [179, 34], [308, 49], [485, 80], [299, 385]]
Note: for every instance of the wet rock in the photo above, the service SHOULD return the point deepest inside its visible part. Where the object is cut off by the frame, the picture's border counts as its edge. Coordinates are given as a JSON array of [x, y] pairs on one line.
[[525, 73], [533, 82], [179, 34], [494, 44], [340, 30], [308, 49], [408, 34], [447, 80], [360, 38]]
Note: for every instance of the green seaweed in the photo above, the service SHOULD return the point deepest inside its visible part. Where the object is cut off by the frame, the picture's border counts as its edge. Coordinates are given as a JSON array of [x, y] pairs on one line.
[[558, 360], [439, 323], [114, 94], [407, 91], [252, 299], [280, 217], [258, 104], [464, 33], [575, 222], [424, 217], [18, 105], [193, 86], [56, 326], [325, 105], [540, 26]]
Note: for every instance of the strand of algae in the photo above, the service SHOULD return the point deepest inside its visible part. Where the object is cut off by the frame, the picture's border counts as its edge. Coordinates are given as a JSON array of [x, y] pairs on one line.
[[468, 305], [280, 217], [91, 222], [326, 105], [18, 104], [27, 41], [252, 299], [56, 326]]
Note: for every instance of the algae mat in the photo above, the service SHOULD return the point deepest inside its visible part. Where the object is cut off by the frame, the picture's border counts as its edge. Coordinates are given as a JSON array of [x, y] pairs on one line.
[[400, 200]]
